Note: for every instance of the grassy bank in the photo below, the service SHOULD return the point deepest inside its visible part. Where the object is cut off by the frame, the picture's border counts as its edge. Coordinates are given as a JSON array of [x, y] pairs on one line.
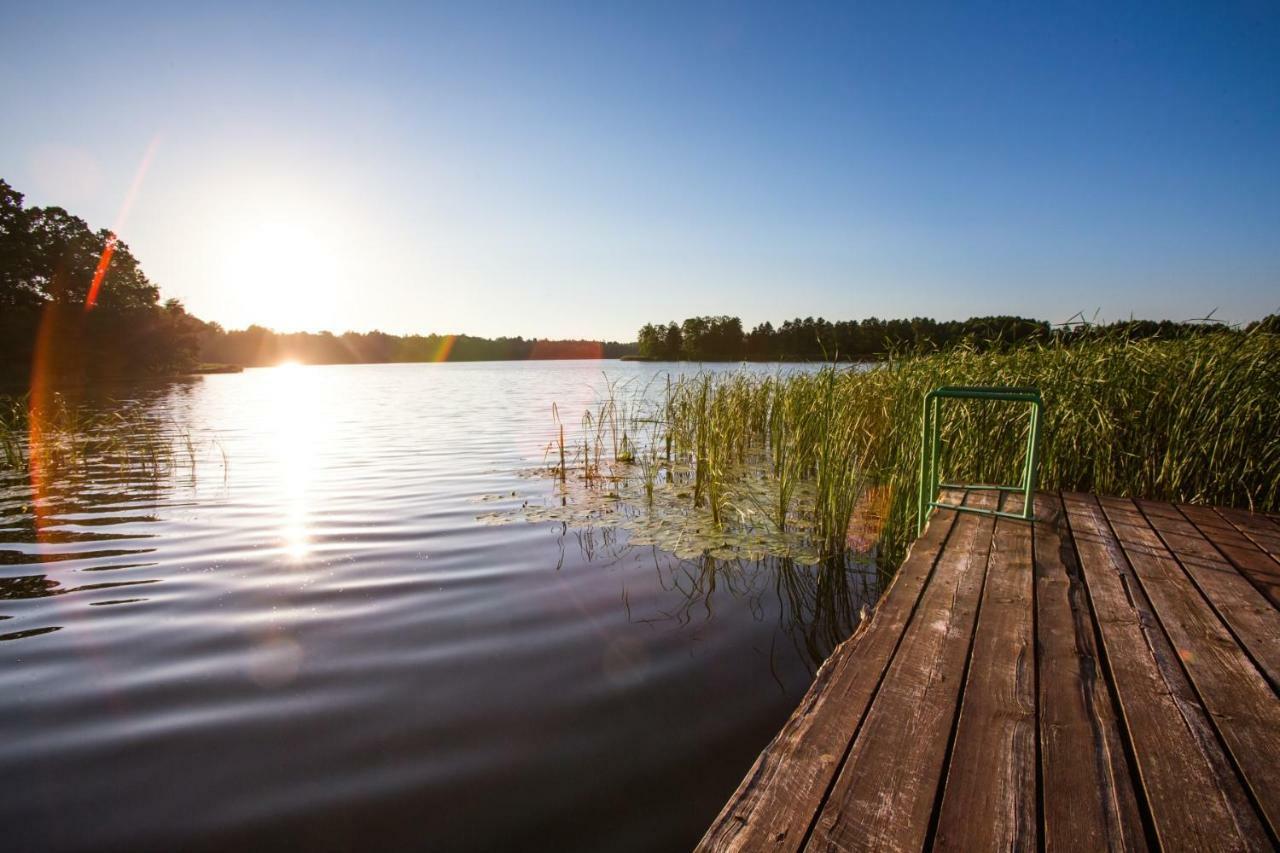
[[1195, 419]]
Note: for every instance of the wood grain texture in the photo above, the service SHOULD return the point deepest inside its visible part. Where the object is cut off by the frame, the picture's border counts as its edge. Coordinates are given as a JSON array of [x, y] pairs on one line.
[[884, 795], [1104, 678], [1263, 530], [1194, 799], [1252, 619], [1258, 567], [775, 804], [1241, 704], [990, 795], [1089, 798]]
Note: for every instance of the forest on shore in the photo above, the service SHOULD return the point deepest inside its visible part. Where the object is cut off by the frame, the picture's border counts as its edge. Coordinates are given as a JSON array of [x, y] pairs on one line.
[[77, 301], [721, 338], [256, 346]]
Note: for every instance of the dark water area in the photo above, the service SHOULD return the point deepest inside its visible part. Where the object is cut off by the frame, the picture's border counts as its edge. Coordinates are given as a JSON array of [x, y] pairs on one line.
[[301, 636]]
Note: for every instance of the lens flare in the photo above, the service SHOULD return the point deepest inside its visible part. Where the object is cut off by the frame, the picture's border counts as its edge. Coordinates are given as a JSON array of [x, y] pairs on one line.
[[445, 347], [41, 398], [104, 262]]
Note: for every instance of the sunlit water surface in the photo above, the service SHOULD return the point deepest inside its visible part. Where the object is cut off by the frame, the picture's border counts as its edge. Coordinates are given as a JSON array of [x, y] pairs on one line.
[[302, 636]]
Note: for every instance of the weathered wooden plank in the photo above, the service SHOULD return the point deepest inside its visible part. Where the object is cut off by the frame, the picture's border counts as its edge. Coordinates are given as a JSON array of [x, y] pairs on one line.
[[1243, 553], [1192, 796], [1241, 704], [1262, 530], [1196, 712], [1251, 618], [884, 795], [777, 801], [989, 801], [1089, 799]]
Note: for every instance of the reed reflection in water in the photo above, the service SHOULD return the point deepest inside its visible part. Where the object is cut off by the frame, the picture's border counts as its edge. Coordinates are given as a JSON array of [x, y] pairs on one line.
[[300, 633]]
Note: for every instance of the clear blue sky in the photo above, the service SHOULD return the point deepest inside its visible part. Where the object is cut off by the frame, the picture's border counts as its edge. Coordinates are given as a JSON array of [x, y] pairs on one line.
[[578, 170]]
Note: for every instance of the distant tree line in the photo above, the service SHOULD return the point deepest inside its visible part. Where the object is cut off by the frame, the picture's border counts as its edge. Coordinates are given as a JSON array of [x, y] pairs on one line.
[[260, 346], [721, 338], [78, 300]]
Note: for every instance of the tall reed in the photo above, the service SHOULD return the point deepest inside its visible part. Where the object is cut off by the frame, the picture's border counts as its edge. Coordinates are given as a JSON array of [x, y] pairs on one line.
[[62, 438], [1196, 419]]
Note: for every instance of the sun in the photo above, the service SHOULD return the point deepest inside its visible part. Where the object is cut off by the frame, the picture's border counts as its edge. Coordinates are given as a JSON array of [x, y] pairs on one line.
[[283, 274]]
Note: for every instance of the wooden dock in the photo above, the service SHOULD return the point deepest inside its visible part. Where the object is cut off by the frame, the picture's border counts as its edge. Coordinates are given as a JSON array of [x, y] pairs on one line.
[[1103, 678]]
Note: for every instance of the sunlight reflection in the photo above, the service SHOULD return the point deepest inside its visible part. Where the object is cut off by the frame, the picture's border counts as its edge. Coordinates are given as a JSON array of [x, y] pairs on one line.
[[275, 661], [295, 452]]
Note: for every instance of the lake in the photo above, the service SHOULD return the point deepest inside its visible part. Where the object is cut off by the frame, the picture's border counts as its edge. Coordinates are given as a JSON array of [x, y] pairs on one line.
[[304, 635]]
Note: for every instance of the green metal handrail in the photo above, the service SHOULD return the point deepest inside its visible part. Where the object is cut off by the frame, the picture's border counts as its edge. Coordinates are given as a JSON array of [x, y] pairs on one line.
[[931, 445]]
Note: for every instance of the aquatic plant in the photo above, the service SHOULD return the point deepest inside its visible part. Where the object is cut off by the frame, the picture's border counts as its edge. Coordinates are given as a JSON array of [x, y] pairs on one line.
[[122, 442], [682, 468], [821, 462], [1192, 419]]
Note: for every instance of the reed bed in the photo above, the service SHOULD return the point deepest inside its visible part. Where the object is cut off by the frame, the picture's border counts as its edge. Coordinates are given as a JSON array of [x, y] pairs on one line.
[[61, 440], [1194, 419]]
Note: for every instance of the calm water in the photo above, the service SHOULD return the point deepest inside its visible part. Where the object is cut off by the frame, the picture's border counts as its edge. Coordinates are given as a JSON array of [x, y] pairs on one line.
[[306, 638]]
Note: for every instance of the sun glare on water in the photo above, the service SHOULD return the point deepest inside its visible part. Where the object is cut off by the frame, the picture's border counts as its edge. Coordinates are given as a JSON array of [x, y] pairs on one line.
[[291, 416]]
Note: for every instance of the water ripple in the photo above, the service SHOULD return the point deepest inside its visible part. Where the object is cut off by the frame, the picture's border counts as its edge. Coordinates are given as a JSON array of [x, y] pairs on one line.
[[300, 635]]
